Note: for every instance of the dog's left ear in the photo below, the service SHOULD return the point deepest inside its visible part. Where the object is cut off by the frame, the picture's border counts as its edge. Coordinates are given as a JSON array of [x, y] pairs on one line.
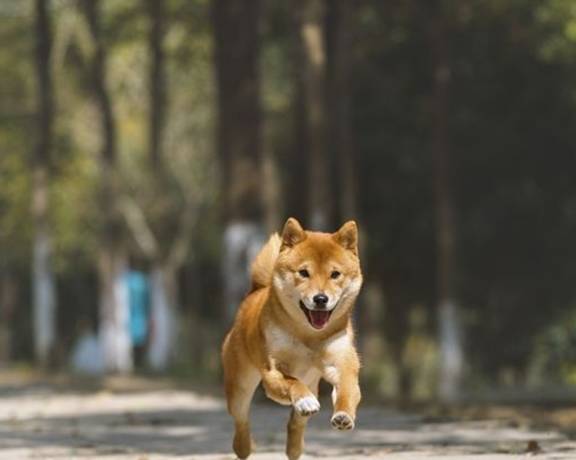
[[347, 236]]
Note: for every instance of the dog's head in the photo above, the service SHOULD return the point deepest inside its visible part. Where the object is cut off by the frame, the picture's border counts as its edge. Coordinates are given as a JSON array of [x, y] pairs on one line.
[[317, 275]]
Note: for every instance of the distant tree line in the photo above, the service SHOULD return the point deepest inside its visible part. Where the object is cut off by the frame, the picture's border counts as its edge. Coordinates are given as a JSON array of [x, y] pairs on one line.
[[174, 135]]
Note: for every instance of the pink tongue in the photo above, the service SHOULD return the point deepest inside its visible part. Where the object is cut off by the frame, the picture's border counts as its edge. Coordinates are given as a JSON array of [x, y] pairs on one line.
[[319, 318]]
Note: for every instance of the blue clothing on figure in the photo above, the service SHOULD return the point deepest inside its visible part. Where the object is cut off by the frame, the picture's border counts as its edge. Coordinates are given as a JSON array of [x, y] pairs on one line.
[[138, 285]]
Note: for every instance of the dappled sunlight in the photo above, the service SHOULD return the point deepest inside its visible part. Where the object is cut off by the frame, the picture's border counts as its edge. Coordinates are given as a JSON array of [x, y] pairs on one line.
[[172, 423]]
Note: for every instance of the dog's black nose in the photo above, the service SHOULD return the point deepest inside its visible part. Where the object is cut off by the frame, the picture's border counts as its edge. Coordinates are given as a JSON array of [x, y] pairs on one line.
[[320, 300]]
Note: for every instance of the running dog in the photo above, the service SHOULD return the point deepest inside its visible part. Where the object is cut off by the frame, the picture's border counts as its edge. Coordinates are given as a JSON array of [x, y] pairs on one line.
[[293, 329]]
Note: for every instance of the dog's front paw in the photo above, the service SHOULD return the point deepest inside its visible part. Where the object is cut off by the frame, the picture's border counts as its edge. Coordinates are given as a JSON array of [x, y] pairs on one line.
[[307, 405], [342, 421]]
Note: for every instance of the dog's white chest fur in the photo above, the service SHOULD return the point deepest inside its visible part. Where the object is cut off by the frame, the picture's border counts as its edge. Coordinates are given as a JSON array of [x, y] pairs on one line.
[[296, 359], [292, 356], [283, 344], [335, 347]]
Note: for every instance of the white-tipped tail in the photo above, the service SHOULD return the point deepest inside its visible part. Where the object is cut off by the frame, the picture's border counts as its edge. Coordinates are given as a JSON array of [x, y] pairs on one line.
[[263, 265]]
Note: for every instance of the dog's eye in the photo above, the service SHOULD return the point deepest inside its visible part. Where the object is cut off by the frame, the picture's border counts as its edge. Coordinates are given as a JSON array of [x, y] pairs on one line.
[[335, 274], [304, 273]]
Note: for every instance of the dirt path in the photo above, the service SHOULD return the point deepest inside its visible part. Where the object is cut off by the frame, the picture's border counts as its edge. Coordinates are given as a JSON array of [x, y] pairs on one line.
[[38, 422]]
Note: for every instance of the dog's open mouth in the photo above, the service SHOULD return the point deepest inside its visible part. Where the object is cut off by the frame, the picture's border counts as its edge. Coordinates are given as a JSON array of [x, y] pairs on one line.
[[316, 318]]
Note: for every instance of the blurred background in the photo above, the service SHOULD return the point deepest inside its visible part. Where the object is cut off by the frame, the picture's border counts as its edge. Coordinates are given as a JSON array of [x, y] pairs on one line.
[[148, 147]]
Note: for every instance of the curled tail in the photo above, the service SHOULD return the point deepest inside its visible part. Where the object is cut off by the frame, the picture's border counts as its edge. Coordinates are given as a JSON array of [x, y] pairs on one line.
[[263, 265]]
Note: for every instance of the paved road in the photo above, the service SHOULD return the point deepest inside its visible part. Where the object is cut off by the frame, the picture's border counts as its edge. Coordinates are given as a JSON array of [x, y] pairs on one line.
[[40, 422]]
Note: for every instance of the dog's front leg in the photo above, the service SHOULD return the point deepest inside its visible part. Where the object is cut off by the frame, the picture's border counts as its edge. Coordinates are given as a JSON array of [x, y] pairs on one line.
[[345, 395], [287, 390]]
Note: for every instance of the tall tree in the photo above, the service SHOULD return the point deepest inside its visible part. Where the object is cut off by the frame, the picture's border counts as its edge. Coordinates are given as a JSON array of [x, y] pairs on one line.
[[341, 21], [449, 322], [44, 295], [157, 79], [166, 252], [111, 258], [310, 16], [237, 49], [163, 274], [339, 99]]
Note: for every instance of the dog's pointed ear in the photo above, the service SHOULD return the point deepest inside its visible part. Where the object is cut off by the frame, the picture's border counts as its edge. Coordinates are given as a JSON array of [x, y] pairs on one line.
[[347, 236], [293, 233]]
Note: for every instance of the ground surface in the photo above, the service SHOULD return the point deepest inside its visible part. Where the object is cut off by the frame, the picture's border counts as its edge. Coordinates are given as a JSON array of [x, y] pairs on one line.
[[39, 421]]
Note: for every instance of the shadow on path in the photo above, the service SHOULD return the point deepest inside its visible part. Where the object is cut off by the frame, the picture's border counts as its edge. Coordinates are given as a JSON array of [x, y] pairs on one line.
[[175, 424]]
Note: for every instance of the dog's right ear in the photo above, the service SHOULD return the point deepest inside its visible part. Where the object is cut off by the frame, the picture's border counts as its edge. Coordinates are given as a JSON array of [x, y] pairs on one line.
[[293, 233]]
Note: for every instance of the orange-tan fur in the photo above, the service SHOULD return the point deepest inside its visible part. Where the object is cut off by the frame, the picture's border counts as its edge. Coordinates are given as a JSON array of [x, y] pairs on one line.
[[273, 341]]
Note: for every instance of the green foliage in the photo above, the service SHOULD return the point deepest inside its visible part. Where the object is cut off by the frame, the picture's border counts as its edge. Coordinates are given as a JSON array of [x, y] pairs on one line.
[[558, 19], [512, 116], [14, 209], [554, 357], [16, 143], [513, 123]]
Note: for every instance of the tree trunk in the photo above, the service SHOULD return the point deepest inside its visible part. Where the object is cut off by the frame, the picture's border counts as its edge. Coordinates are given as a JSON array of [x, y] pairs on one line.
[[163, 277], [114, 331], [114, 312], [8, 293], [397, 332], [44, 294], [44, 297], [449, 323], [310, 16], [242, 241], [340, 23], [298, 177], [163, 317], [236, 29], [271, 189], [157, 81]]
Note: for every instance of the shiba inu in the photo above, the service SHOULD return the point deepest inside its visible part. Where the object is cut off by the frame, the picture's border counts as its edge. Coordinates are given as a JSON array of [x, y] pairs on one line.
[[293, 329]]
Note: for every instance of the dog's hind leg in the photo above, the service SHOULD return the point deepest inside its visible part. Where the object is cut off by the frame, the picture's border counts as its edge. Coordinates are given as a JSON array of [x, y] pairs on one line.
[[240, 382], [239, 399]]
